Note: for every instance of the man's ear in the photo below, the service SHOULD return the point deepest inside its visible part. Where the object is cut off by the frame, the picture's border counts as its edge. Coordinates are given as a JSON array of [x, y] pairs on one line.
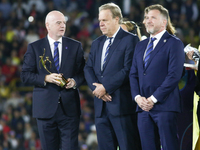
[[165, 22], [117, 20], [47, 26]]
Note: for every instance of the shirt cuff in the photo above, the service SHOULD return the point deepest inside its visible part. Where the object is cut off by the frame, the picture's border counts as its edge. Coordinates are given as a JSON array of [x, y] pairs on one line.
[[137, 97], [45, 83], [153, 99]]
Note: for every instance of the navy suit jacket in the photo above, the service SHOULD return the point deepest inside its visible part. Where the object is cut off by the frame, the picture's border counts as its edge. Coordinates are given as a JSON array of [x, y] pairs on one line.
[[115, 76], [161, 76], [45, 98]]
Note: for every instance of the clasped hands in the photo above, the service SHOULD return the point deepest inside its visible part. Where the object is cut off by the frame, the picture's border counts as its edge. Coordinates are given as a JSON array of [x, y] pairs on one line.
[[100, 92], [55, 78], [145, 104]]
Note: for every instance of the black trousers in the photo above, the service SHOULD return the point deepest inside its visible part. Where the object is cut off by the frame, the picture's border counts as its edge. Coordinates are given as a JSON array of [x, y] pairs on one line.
[[113, 131], [59, 132]]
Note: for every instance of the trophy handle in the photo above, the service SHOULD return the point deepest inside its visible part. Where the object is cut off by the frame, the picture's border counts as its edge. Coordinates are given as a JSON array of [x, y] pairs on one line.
[[47, 60], [44, 62]]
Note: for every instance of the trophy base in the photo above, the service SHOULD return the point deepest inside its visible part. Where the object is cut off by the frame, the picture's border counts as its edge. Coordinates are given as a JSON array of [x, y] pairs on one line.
[[63, 82]]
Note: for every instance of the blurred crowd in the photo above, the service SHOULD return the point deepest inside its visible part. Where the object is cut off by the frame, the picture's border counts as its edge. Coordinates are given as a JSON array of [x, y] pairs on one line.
[[22, 22]]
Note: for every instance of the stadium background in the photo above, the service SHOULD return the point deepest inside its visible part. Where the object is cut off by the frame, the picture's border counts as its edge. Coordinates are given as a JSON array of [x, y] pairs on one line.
[[22, 22]]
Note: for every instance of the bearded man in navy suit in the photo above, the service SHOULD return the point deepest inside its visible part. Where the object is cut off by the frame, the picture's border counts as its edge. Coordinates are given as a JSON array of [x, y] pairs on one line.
[[156, 70], [107, 74], [56, 107]]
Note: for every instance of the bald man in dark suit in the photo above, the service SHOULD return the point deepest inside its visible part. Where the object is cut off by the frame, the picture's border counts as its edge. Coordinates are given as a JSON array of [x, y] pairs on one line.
[[56, 107]]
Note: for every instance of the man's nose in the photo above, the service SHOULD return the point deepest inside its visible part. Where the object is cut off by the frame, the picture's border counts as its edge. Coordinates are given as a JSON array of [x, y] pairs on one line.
[[101, 23], [63, 24]]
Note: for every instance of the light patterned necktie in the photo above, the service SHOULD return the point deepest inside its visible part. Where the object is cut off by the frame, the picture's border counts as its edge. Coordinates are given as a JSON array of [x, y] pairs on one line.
[[148, 51], [56, 55], [107, 51]]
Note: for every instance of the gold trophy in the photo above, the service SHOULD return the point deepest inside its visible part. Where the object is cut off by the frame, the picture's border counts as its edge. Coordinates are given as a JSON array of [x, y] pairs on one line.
[[63, 81]]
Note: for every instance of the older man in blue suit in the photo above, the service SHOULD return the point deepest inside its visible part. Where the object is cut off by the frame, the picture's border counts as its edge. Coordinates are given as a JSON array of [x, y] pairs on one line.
[[156, 70], [55, 106], [107, 74]]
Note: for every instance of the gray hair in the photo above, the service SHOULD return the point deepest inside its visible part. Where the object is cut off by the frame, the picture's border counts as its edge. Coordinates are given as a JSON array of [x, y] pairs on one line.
[[115, 10]]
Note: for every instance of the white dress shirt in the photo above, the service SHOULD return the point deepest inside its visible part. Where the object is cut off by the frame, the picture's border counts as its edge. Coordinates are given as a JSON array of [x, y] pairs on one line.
[[105, 46], [51, 43]]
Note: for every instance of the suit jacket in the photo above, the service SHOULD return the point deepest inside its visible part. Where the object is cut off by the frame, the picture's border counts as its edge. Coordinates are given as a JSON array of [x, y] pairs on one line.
[[45, 98], [161, 76], [114, 77]]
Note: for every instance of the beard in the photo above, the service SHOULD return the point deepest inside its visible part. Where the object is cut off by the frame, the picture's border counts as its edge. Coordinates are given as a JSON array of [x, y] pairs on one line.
[[152, 31]]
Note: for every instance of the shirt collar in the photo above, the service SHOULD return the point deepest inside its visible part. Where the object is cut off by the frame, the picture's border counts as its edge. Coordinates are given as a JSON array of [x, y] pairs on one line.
[[51, 41], [159, 35], [114, 35]]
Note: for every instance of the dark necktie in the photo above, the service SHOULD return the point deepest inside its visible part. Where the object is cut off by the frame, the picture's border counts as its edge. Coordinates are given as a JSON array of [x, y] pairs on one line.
[[107, 51], [56, 55], [148, 51]]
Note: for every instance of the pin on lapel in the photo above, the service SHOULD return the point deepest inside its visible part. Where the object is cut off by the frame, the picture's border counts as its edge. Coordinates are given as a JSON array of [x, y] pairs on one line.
[[66, 47], [165, 41]]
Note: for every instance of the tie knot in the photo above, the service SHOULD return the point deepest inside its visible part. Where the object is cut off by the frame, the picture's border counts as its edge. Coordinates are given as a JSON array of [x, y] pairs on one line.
[[110, 38], [153, 39], [56, 43]]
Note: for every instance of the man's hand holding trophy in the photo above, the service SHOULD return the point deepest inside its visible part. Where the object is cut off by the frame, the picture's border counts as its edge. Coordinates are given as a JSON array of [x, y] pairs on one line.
[[56, 78]]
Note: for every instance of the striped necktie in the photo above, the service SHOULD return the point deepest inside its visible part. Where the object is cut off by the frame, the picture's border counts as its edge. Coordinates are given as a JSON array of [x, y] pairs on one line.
[[148, 51], [56, 55], [107, 51]]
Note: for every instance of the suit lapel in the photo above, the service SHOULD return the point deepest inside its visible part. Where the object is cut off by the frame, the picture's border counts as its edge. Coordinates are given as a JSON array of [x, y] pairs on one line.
[[160, 44], [49, 64], [99, 52], [66, 47], [143, 49]]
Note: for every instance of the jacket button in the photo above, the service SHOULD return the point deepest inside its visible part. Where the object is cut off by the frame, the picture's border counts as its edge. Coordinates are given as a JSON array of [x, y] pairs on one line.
[[144, 74], [101, 76]]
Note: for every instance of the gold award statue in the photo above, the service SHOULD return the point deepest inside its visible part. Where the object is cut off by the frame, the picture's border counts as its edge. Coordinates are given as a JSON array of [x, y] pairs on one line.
[[63, 81]]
